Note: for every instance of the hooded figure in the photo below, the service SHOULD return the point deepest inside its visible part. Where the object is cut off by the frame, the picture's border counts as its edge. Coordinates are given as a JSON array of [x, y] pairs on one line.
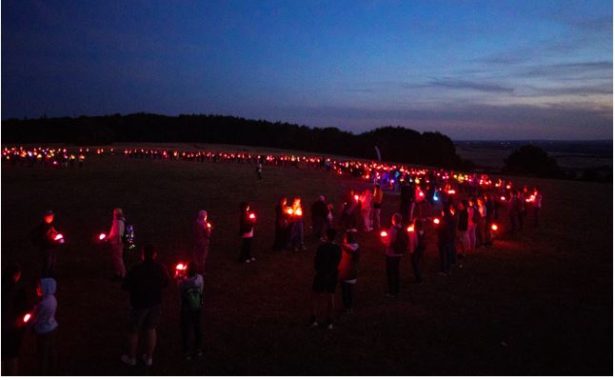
[[45, 325], [202, 234]]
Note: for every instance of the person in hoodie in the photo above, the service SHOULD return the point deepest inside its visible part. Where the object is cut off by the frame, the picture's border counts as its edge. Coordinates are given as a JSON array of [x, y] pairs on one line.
[[348, 268], [116, 242], [202, 234], [191, 294], [319, 217], [45, 325], [14, 308]]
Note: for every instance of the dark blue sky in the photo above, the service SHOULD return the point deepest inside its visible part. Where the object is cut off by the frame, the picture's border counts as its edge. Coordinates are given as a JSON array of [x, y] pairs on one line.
[[470, 69]]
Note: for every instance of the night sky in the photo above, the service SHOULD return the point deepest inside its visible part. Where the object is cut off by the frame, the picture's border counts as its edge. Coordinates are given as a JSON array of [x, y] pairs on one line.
[[494, 69]]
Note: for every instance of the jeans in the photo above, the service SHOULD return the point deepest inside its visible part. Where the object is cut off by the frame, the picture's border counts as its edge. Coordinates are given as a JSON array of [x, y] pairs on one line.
[[191, 324], [392, 265]]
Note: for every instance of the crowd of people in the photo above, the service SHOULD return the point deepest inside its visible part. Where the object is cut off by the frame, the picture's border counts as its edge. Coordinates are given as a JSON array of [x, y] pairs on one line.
[[465, 211]]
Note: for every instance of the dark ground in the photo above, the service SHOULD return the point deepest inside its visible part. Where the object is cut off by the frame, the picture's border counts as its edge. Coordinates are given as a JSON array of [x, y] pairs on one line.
[[538, 304]]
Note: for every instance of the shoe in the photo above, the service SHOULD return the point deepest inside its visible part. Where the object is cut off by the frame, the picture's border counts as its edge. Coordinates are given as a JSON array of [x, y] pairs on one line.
[[313, 322], [253, 259], [247, 261], [443, 273], [147, 361], [330, 326], [128, 360], [389, 295], [187, 357], [198, 353]]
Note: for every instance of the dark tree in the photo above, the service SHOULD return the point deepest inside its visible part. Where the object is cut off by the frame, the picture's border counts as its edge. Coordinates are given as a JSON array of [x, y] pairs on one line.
[[532, 160]]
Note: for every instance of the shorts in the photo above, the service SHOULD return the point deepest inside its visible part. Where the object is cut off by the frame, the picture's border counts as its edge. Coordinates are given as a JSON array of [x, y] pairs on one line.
[[144, 319], [324, 284]]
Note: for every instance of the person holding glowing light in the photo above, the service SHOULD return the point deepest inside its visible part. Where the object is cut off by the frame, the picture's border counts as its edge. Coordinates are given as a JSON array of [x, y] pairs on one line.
[[246, 231], [47, 239], [202, 235], [14, 310], [116, 242], [296, 226]]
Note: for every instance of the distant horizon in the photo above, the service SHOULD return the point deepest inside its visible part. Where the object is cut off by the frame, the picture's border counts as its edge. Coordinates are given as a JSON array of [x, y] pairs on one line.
[[3, 119]]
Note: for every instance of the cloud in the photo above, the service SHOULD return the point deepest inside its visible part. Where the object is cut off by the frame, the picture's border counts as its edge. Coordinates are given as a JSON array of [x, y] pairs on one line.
[[459, 84], [576, 69], [599, 89]]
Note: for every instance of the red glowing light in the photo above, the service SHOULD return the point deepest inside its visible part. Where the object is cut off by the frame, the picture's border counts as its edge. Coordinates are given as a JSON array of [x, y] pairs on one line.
[[26, 318], [356, 198], [410, 228], [180, 267], [451, 191], [298, 212], [289, 210], [102, 236], [502, 198], [494, 227], [421, 194], [252, 216], [58, 237], [384, 234], [436, 221], [209, 225]]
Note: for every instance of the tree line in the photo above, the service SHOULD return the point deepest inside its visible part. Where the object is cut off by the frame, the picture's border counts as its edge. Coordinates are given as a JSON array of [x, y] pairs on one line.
[[396, 144]]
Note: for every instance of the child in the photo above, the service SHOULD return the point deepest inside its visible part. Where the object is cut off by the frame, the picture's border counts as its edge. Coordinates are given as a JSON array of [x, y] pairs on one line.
[[191, 293], [45, 324]]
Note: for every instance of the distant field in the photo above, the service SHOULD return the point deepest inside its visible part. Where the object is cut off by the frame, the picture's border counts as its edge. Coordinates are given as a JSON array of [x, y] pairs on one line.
[[536, 304], [570, 155]]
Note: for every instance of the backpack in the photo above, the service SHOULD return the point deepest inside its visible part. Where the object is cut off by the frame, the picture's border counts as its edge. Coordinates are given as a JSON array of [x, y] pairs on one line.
[[401, 242], [193, 299]]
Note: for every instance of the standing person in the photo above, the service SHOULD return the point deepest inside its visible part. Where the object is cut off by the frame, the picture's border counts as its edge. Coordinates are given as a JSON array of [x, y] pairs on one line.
[[326, 262], [405, 202], [45, 325], [296, 226], [202, 235], [191, 295], [489, 207], [462, 227], [330, 209], [319, 217], [481, 239], [349, 268], [514, 208], [366, 210], [14, 308], [522, 209], [259, 170], [115, 237], [377, 198], [446, 240], [537, 205], [44, 238], [246, 231], [144, 282], [419, 250], [396, 245], [280, 240]]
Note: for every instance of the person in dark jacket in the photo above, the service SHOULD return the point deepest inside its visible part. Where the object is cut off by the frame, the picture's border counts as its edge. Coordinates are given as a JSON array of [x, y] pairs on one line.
[[326, 262], [446, 239], [419, 250], [319, 217], [246, 231], [394, 252], [145, 283], [14, 310], [349, 268], [47, 239]]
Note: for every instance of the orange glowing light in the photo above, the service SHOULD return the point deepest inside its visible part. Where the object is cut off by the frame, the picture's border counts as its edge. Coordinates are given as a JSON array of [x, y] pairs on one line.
[[180, 266], [410, 228], [451, 191], [289, 210], [298, 212]]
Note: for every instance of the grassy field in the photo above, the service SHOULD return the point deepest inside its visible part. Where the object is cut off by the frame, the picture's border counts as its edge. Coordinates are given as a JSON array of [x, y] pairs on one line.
[[539, 304]]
